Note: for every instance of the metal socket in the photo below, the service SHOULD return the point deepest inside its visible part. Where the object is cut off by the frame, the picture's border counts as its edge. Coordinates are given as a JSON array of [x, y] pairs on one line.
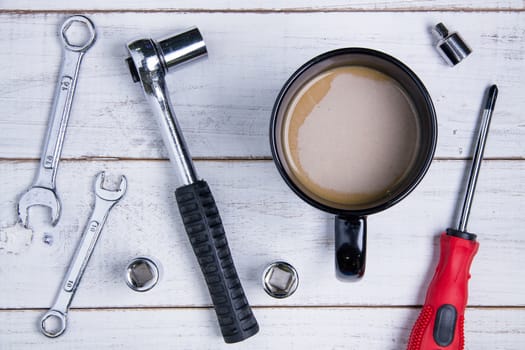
[[280, 279], [142, 274], [451, 46]]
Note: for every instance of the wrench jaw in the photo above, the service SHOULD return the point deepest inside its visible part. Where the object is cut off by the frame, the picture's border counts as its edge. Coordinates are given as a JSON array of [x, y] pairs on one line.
[[38, 196], [110, 195]]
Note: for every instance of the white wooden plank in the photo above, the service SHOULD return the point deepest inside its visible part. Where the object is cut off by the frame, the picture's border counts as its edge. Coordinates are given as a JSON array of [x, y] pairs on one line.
[[264, 221], [260, 5], [224, 103], [281, 328]]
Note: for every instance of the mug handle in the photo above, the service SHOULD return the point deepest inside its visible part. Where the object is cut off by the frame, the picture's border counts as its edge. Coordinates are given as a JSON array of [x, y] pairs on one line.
[[350, 247]]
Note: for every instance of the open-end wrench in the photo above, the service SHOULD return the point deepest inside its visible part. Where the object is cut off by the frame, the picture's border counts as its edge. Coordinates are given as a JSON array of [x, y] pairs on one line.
[[54, 321], [42, 192]]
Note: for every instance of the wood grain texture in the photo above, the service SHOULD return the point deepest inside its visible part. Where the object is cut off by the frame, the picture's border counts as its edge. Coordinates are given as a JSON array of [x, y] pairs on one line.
[[264, 221], [224, 103], [224, 106], [259, 5], [298, 328]]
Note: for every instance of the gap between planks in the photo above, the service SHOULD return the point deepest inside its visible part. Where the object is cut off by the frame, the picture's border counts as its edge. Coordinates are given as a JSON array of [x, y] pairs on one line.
[[261, 11], [221, 159], [306, 307]]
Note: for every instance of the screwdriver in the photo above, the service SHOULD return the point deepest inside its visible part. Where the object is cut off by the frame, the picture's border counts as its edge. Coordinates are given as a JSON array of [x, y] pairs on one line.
[[440, 323]]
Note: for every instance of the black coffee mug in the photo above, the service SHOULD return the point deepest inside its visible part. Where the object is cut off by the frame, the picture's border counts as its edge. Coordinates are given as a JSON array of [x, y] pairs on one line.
[[350, 221]]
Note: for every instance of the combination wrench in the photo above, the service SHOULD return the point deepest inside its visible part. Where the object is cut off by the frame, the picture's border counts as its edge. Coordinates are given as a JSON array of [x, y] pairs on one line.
[[43, 191], [54, 321]]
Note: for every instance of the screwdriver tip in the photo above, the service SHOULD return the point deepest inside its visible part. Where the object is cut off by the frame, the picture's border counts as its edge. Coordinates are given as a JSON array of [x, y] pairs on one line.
[[491, 97]]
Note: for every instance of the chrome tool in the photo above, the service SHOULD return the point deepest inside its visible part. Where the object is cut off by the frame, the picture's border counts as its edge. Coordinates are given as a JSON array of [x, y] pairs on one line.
[[54, 321], [43, 191], [149, 62]]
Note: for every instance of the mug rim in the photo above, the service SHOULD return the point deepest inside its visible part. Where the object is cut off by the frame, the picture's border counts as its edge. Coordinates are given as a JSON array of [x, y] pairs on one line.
[[406, 190]]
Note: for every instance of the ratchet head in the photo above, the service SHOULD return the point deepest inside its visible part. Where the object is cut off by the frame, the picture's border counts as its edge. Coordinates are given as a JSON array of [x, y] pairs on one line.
[[110, 195], [150, 60], [38, 196]]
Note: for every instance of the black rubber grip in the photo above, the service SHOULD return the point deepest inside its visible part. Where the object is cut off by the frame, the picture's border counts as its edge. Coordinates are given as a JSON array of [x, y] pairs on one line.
[[204, 228]]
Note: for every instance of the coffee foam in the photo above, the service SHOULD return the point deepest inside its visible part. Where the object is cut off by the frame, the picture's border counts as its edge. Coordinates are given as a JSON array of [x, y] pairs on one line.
[[350, 135]]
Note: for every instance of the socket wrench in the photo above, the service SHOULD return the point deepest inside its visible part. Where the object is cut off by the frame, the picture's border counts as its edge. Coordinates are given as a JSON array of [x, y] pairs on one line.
[[149, 62]]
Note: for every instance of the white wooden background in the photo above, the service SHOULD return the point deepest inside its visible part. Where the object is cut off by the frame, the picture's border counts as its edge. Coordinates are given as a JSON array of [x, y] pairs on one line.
[[224, 105]]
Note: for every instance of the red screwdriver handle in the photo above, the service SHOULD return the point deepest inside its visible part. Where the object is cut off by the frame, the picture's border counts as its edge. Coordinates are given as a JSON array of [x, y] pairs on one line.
[[440, 323]]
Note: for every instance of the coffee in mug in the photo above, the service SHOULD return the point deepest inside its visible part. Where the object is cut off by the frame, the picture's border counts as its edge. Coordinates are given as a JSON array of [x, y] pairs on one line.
[[350, 134]]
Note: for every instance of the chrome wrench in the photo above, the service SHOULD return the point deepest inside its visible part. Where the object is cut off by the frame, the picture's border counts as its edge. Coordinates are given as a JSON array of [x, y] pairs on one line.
[[54, 321], [43, 191]]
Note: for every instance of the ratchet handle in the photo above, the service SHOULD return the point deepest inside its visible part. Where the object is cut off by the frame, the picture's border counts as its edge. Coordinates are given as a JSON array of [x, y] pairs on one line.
[[440, 323], [205, 231]]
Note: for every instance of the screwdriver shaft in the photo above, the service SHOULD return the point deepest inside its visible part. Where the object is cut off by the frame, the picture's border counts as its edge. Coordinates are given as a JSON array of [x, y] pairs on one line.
[[488, 108]]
